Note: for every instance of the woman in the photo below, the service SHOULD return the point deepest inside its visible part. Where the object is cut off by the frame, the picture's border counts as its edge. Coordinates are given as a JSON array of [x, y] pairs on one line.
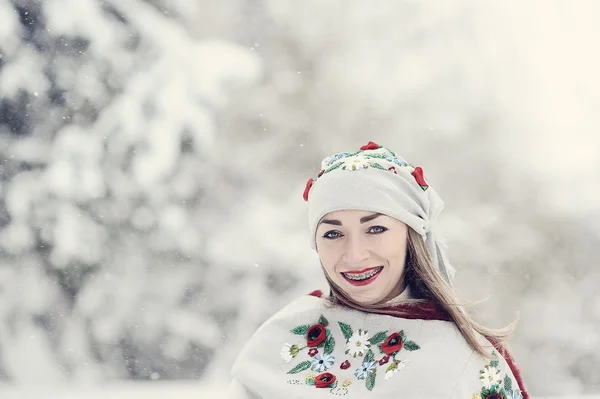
[[391, 325]]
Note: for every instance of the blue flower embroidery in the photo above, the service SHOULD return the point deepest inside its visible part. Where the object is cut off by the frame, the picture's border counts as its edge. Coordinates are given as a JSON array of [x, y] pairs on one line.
[[364, 370], [322, 363], [516, 394], [336, 157]]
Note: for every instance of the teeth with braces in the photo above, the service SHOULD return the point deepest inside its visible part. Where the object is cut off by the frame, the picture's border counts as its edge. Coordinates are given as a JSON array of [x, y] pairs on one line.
[[363, 276]]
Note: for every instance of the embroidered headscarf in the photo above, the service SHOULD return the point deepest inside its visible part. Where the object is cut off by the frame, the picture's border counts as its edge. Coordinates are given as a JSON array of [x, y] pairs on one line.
[[376, 179]]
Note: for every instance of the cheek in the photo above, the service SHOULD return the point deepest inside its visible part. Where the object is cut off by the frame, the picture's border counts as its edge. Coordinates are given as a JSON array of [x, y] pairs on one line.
[[328, 256]]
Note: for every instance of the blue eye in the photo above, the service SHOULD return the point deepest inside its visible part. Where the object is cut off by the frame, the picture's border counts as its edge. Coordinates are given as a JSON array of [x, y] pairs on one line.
[[377, 230], [332, 235]]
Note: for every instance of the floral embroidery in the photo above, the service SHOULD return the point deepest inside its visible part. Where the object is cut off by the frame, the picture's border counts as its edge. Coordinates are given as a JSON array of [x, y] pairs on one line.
[[315, 335], [394, 368], [392, 344], [418, 174], [371, 155], [365, 370], [325, 380], [322, 363], [309, 184], [370, 146], [490, 376], [317, 345], [288, 352], [493, 386], [358, 344]]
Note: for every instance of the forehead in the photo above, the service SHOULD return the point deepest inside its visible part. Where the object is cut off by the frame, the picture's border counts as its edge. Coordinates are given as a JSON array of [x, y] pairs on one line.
[[348, 214]]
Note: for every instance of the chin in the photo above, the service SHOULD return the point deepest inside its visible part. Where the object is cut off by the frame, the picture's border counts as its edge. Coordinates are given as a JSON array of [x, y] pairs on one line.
[[366, 300]]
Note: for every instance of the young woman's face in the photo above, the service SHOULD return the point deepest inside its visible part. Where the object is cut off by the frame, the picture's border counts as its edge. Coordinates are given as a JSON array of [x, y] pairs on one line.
[[363, 253]]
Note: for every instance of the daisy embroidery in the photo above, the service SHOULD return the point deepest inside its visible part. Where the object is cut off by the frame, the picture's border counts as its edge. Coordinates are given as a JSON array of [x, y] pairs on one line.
[[490, 376], [355, 163], [322, 363], [394, 368], [288, 352], [358, 344]]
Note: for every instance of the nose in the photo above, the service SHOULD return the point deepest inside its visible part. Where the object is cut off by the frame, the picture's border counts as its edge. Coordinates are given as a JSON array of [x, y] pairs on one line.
[[356, 250]]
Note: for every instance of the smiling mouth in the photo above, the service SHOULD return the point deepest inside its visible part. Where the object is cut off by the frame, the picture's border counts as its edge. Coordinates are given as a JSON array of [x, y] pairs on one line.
[[364, 277]]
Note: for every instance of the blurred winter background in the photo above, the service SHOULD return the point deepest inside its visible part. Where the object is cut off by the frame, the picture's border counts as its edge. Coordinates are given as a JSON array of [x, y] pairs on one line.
[[153, 155]]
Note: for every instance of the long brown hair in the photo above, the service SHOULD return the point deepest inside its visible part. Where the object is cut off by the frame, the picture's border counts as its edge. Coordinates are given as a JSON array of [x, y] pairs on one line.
[[426, 284]]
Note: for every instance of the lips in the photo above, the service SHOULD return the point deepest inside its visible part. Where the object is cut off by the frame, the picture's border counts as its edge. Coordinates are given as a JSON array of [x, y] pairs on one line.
[[362, 277]]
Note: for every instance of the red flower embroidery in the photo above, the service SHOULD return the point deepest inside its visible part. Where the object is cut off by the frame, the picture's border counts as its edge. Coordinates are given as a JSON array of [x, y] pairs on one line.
[[315, 335], [345, 365], [321, 173], [324, 380], [393, 169], [312, 352], [418, 174], [494, 396], [384, 360], [309, 184], [370, 146], [392, 344]]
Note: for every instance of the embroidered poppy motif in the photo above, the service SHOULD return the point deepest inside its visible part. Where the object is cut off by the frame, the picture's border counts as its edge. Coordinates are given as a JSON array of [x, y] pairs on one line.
[[359, 343], [309, 184], [418, 174], [315, 336], [325, 380], [318, 343], [370, 146], [493, 386]]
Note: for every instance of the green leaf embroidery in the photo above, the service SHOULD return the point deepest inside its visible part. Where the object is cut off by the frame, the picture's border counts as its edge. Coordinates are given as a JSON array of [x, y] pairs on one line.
[[494, 363], [333, 167], [301, 330], [411, 346], [380, 350], [329, 345], [369, 356], [375, 165], [323, 321], [371, 380], [379, 337], [301, 367], [393, 365], [507, 383], [402, 335], [346, 330]]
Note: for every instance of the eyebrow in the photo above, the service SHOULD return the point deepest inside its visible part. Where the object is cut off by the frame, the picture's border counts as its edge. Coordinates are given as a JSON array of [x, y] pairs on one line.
[[364, 219]]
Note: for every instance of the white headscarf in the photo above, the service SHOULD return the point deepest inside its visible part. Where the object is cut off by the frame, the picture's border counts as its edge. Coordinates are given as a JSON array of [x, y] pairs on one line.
[[375, 179]]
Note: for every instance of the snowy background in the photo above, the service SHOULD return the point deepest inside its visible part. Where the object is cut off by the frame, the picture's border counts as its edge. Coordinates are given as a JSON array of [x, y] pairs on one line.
[[153, 155]]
